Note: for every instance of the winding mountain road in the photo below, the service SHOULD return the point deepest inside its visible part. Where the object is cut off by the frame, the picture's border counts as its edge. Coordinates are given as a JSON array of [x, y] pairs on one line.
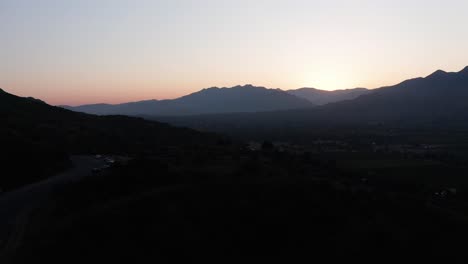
[[16, 206]]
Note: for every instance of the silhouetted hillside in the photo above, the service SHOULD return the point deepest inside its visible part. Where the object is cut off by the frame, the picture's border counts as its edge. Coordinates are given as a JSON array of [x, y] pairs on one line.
[[246, 98], [440, 97], [178, 197], [321, 97], [36, 138]]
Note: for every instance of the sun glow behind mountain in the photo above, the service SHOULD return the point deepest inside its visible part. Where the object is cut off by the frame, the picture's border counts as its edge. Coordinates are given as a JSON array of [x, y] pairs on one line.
[[77, 52], [327, 79]]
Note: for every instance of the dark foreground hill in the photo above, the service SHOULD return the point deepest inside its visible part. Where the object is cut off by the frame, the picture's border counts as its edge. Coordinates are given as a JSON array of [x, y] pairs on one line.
[[37, 138], [246, 98]]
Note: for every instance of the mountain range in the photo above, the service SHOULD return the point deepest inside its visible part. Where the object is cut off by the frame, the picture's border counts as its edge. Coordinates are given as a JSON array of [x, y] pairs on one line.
[[441, 96], [249, 98], [438, 100], [187, 193], [245, 98]]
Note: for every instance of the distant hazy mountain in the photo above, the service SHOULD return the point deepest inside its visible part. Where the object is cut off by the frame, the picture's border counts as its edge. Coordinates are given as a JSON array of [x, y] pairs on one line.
[[437, 101], [321, 97], [246, 98]]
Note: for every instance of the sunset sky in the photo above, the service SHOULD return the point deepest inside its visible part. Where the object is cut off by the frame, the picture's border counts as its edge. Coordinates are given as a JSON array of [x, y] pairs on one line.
[[89, 51]]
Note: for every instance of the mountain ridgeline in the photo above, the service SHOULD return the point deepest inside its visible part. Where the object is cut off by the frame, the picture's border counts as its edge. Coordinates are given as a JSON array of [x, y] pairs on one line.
[[440, 98], [436, 101], [245, 98], [178, 194]]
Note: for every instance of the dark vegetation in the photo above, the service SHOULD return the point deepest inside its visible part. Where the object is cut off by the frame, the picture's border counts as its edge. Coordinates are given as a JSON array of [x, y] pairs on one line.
[[40, 136], [381, 178], [236, 204]]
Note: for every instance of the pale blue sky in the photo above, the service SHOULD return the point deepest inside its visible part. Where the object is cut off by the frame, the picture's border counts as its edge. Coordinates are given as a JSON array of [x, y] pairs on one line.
[[87, 51]]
